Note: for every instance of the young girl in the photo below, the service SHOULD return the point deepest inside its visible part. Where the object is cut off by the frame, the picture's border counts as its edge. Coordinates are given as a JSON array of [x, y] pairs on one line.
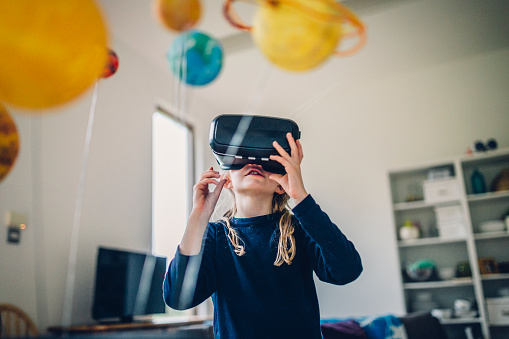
[[258, 262]]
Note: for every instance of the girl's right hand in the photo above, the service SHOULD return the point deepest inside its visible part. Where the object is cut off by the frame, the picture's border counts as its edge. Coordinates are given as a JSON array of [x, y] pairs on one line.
[[204, 200]]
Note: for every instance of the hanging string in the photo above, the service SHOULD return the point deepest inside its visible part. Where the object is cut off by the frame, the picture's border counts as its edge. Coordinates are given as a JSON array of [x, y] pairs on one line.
[[192, 270], [180, 90], [177, 80], [41, 292], [73, 250], [183, 83], [179, 99], [176, 84]]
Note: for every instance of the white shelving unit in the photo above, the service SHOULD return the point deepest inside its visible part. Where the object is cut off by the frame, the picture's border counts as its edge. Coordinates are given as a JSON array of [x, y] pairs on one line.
[[409, 203]]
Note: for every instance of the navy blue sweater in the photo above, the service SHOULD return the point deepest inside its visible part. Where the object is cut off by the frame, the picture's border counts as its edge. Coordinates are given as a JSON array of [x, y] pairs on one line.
[[252, 297]]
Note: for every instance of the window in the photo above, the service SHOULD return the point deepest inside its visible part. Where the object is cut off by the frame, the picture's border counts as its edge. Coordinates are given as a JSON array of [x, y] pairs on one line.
[[172, 181]]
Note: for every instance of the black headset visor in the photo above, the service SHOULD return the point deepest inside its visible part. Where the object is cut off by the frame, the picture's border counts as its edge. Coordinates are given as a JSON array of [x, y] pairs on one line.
[[237, 140]]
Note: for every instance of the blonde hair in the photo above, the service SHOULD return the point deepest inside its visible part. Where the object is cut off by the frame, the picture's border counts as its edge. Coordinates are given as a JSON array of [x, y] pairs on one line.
[[286, 246]]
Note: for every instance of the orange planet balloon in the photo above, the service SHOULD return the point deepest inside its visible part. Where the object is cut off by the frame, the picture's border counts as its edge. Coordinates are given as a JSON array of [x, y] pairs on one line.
[[9, 143], [178, 15], [51, 51]]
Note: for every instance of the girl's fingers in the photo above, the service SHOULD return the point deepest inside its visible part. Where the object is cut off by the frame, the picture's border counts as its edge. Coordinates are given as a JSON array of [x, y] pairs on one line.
[[280, 159], [210, 181], [295, 148], [293, 145], [219, 187], [280, 149], [209, 174], [285, 159], [299, 148], [206, 181], [276, 177], [203, 184], [208, 171]]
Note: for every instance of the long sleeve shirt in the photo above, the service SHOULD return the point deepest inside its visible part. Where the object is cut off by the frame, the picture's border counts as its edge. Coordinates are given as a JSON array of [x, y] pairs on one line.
[[252, 297]]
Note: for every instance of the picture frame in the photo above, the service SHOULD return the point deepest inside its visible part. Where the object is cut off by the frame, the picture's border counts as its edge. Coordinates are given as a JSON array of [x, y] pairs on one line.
[[488, 265]]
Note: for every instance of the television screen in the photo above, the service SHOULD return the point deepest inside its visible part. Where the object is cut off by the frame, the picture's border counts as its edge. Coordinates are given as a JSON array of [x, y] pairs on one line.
[[127, 284]]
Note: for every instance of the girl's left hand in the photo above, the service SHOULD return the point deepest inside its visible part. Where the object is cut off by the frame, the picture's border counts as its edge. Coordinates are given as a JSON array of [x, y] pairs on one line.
[[292, 181]]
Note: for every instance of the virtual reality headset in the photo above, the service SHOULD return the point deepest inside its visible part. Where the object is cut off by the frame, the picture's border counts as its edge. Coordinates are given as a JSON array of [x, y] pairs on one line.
[[237, 140]]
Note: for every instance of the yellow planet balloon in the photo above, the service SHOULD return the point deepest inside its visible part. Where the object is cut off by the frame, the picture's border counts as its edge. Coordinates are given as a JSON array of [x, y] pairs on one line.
[[178, 15], [51, 50], [298, 35], [9, 143]]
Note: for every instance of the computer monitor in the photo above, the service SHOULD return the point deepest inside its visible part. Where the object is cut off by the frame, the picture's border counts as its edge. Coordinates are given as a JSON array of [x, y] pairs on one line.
[[127, 284]]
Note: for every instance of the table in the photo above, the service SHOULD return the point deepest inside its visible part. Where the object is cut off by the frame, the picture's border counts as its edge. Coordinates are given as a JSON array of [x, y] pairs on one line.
[[195, 327]]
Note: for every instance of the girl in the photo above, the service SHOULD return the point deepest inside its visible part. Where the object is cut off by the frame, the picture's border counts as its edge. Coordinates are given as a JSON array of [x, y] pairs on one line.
[[258, 262]]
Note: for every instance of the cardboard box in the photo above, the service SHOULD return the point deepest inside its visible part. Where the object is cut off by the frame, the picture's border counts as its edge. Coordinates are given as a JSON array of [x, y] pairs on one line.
[[451, 213], [441, 190], [452, 231], [498, 310]]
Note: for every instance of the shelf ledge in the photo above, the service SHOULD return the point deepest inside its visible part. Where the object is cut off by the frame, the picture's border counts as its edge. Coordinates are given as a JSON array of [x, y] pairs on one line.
[[429, 241], [498, 325], [487, 196], [491, 235], [438, 284], [495, 276], [422, 204]]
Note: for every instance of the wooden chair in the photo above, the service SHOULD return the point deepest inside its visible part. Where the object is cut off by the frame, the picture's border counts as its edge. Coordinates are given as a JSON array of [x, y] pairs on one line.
[[14, 322]]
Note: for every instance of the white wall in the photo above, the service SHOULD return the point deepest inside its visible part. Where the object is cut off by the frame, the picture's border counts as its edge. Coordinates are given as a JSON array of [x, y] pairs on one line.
[[17, 268], [433, 78], [421, 128], [116, 210]]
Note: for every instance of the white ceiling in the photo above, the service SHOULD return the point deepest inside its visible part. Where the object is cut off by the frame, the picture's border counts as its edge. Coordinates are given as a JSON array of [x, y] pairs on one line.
[[134, 23], [402, 35]]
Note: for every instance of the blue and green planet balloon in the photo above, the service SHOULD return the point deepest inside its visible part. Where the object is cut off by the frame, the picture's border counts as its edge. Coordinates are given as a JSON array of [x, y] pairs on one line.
[[195, 57]]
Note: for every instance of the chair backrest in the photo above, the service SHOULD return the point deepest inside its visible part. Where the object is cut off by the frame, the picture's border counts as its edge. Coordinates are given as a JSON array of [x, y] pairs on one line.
[[15, 323], [422, 325]]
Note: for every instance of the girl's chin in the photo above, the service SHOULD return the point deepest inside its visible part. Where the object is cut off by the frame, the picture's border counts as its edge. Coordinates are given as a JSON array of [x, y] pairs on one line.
[[254, 187]]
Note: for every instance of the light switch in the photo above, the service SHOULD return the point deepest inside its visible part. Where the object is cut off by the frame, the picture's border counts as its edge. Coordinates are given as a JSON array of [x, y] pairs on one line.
[[13, 235]]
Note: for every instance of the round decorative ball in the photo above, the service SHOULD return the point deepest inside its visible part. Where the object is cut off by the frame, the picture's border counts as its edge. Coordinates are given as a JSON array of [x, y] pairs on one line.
[[52, 51], [111, 65], [297, 35], [195, 57], [178, 15], [9, 142]]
